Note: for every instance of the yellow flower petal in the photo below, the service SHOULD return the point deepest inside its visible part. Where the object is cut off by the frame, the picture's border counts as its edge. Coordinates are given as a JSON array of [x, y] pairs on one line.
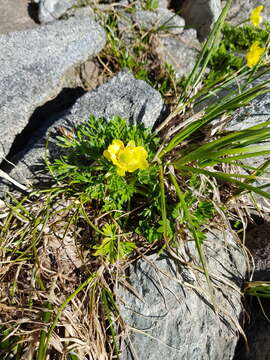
[[255, 17], [107, 155], [133, 158], [113, 150], [115, 146], [120, 171], [129, 158], [254, 54]]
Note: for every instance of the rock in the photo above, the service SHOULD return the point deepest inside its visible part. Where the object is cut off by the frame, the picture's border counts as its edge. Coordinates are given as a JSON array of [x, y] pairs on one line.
[[81, 12], [241, 9], [201, 15], [172, 44], [51, 10], [163, 3], [34, 68], [155, 20], [123, 95], [141, 4], [179, 51], [169, 312], [14, 15]]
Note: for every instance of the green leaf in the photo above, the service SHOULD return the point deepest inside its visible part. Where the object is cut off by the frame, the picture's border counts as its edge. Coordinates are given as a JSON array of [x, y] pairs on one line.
[[112, 248], [166, 227]]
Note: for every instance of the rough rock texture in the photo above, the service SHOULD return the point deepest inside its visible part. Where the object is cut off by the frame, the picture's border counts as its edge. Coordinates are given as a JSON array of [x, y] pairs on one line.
[[200, 15], [51, 10], [169, 311], [33, 68], [180, 51], [14, 15], [123, 95], [241, 9], [149, 20], [163, 3]]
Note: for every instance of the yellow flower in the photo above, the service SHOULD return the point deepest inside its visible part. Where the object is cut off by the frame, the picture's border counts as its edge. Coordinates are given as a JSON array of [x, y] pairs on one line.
[[255, 17], [129, 158], [254, 54]]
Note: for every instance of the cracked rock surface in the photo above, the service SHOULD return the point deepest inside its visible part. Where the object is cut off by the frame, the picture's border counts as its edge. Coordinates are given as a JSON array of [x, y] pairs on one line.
[[169, 312], [33, 68]]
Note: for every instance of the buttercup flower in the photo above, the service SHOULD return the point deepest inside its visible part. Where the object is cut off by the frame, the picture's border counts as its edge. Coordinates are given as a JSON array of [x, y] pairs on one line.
[[129, 158], [254, 54], [255, 17]]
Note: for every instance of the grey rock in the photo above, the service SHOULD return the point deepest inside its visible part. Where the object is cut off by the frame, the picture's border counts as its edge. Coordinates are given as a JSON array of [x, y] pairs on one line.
[[158, 19], [123, 95], [14, 16], [168, 311], [34, 65], [160, 22], [200, 15], [81, 12], [172, 44], [179, 51], [241, 9], [51, 10], [140, 4], [163, 4]]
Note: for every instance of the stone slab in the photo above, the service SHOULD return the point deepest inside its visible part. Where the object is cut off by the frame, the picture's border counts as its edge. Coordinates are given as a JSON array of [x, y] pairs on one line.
[[33, 68], [168, 310], [51, 10], [179, 51], [201, 15]]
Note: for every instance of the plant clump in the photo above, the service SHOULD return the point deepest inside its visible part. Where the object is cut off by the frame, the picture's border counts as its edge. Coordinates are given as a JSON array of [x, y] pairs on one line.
[[236, 41]]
